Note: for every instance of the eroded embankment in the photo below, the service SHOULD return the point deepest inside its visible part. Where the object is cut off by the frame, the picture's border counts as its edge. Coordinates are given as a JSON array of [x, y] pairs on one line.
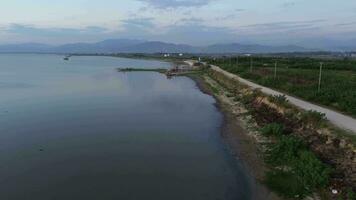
[[249, 110], [239, 134]]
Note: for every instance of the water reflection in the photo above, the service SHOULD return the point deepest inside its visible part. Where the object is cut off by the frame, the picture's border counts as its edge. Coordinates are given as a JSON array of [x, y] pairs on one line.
[[85, 131]]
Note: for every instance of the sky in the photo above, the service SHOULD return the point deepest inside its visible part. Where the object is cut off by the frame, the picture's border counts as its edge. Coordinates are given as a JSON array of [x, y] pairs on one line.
[[310, 23]]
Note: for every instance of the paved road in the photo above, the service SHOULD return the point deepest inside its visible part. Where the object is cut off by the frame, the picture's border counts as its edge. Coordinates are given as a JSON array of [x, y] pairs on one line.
[[338, 119]]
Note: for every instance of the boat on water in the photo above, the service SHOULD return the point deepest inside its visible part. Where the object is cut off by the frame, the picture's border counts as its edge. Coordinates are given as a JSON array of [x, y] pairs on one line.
[[66, 58]]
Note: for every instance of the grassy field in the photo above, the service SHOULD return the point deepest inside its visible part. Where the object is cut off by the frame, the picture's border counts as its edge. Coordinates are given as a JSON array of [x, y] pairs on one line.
[[300, 77]]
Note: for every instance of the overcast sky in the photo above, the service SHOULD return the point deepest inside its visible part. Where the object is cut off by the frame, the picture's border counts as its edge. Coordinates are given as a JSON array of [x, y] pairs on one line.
[[197, 22]]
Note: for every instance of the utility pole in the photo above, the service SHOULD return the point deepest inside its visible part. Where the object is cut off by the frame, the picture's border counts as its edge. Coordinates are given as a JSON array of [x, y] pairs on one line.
[[320, 74], [275, 70]]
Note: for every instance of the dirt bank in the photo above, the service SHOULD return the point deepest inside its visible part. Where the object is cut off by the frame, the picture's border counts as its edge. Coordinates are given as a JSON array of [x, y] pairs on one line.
[[239, 132]]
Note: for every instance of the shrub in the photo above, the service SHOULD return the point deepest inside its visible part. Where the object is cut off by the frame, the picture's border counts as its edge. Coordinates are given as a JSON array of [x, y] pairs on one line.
[[214, 89], [279, 99], [285, 183], [273, 129], [237, 98], [312, 173], [351, 195], [297, 171], [247, 99], [229, 95], [286, 151], [314, 118]]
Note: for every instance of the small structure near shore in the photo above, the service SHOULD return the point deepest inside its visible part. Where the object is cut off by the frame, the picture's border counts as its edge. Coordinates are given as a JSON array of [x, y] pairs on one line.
[[179, 69]]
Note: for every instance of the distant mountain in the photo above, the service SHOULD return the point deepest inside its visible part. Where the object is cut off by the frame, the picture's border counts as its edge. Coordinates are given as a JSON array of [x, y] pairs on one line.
[[139, 46], [106, 46], [154, 47]]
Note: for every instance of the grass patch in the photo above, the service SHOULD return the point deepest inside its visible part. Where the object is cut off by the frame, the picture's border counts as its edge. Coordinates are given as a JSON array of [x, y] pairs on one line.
[[229, 95], [312, 173], [237, 98], [295, 171], [284, 183], [351, 195], [214, 89], [344, 134], [273, 129], [280, 100], [285, 151], [314, 118]]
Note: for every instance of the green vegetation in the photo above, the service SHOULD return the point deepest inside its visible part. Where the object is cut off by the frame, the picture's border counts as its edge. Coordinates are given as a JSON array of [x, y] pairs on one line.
[[229, 95], [214, 89], [300, 77], [285, 183], [351, 195], [314, 118], [280, 100], [284, 151], [273, 129], [295, 171]]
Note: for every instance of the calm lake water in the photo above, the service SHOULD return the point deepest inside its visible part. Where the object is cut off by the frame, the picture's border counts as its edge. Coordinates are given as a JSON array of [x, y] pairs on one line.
[[80, 130]]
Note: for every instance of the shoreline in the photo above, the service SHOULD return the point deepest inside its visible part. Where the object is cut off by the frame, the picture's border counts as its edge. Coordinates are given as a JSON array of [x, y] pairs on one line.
[[241, 133], [239, 140], [242, 146]]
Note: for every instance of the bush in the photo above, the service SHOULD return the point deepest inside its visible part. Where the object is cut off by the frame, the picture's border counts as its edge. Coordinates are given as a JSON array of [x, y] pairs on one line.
[[312, 173], [248, 99], [229, 95], [285, 183], [237, 98], [297, 172], [314, 118], [351, 195], [285, 152], [273, 129], [279, 99]]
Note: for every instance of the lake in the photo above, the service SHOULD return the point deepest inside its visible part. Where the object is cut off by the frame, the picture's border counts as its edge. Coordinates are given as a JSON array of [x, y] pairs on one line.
[[81, 130]]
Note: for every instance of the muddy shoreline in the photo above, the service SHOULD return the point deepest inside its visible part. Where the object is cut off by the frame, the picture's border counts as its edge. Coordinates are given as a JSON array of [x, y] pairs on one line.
[[240, 143]]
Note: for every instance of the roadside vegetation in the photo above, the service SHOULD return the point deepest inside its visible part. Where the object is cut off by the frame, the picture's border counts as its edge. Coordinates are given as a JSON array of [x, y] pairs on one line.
[[295, 171], [300, 77], [304, 153]]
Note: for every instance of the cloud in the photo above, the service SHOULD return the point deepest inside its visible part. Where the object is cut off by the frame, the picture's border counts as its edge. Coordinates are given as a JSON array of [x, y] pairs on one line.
[[176, 3], [33, 30], [239, 10], [139, 22], [283, 25], [32, 33], [189, 30], [191, 20], [288, 4], [226, 17], [346, 24], [196, 34]]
